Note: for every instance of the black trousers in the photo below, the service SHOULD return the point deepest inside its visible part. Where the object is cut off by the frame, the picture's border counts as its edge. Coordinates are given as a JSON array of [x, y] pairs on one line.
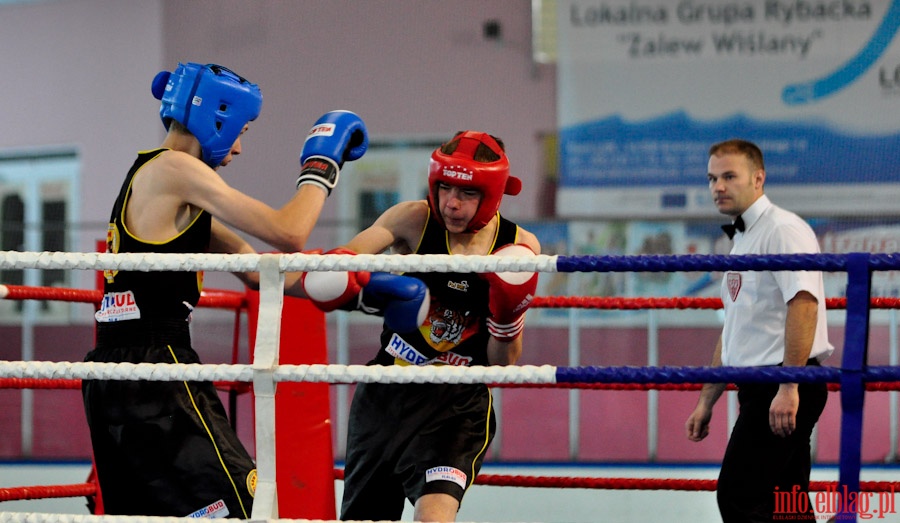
[[758, 464]]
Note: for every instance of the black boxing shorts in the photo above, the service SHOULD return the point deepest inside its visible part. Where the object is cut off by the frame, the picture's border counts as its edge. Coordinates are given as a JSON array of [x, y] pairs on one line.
[[163, 448], [408, 440]]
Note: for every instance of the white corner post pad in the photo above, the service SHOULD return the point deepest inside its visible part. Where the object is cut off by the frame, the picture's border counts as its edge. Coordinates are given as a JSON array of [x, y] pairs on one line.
[[265, 360]]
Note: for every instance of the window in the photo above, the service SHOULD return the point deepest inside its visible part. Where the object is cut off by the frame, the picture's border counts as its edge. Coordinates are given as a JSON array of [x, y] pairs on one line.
[[37, 205]]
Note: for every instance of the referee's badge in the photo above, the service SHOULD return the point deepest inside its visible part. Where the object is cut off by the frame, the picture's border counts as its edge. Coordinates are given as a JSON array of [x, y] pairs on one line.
[[734, 284]]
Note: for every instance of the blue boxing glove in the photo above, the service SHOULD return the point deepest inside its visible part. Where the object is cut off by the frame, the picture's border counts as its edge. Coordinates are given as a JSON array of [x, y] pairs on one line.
[[336, 137], [404, 301]]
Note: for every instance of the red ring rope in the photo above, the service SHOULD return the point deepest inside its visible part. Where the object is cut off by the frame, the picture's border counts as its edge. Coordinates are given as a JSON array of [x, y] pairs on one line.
[[237, 300], [216, 299], [611, 303], [48, 491], [62, 383], [499, 480]]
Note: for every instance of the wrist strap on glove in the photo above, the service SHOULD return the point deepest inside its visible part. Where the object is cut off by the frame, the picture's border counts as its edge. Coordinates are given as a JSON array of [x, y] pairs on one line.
[[321, 171], [359, 304]]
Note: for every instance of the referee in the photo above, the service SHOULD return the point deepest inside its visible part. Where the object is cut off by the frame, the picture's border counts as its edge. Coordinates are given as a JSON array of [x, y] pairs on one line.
[[771, 319]]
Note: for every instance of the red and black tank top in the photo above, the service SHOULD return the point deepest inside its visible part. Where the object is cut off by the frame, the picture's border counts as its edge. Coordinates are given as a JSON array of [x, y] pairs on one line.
[[454, 332]]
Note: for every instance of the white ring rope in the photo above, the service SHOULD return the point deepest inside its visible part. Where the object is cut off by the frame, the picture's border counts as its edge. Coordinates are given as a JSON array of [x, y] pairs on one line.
[[265, 372], [286, 262], [335, 374]]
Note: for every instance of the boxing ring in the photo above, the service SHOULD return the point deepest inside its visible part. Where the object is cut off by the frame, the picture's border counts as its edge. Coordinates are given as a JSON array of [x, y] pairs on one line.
[[853, 376]]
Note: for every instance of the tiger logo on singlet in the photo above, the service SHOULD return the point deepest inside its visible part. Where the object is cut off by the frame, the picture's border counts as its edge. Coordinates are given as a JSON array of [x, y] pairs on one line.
[[447, 326]]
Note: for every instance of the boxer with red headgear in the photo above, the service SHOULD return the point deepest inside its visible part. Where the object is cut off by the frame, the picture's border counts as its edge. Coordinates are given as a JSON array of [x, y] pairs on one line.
[[426, 443], [167, 448], [459, 167]]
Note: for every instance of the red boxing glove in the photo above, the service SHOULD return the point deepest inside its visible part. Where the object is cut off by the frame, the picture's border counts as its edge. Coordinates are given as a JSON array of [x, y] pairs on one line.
[[510, 296], [330, 290]]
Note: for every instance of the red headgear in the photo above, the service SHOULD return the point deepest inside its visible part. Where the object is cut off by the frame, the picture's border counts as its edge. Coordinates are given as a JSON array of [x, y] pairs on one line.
[[460, 169]]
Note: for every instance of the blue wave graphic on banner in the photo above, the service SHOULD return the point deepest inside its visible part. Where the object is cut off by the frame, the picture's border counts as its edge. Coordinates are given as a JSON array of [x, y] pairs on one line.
[[673, 151], [807, 92]]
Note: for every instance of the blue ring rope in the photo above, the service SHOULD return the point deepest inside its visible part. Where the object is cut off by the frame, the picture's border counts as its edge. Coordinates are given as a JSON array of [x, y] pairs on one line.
[[699, 263], [852, 375]]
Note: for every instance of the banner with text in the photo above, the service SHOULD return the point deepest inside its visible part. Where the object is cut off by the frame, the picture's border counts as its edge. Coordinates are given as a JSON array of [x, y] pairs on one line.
[[646, 86]]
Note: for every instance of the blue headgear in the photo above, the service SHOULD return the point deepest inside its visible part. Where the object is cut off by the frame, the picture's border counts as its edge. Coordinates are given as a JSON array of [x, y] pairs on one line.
[[211, 101]]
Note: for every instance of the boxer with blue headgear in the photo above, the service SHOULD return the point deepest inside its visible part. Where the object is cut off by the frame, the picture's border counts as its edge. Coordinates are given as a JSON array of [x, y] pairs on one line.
[[168, 449], [210, 101]]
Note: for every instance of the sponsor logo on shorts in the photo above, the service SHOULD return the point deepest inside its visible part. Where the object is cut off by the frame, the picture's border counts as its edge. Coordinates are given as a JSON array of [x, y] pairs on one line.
[[214, 510], [118, 306], [251, 483], [446, 474]]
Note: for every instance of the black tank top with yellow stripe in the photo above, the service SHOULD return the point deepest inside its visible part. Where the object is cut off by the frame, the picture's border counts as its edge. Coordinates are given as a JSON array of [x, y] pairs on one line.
[[131, 295], [454, 333]]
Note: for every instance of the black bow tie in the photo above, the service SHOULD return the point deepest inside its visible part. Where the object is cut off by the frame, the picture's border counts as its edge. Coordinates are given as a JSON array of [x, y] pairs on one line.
[[731, 228]]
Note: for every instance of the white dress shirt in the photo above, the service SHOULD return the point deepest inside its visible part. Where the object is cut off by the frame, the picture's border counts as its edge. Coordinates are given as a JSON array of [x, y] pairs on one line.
[[756, 302]]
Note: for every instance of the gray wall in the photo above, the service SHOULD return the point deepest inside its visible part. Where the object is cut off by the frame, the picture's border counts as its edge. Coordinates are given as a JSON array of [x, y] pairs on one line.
[[409, 68], [77, 73]]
